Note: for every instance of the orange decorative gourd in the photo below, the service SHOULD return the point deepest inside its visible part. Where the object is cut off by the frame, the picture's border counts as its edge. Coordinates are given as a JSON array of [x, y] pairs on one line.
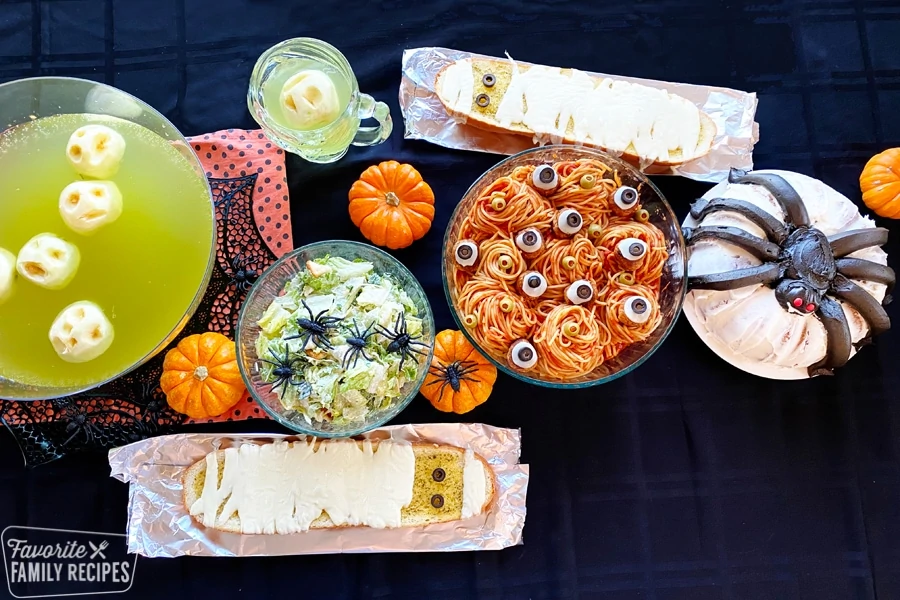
[[392, 205], [200, 376], [460, 378], [880, 184]]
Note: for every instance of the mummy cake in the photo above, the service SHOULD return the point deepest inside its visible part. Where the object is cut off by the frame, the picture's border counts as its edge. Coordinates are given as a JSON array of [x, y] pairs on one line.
[[787, 279]]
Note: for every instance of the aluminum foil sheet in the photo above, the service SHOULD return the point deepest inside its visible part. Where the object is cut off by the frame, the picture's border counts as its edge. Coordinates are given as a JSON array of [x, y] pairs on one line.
[[160, 526], [425, 118]]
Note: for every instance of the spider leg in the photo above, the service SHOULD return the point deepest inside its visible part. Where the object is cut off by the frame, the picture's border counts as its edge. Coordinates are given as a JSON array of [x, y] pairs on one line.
[[772, 227], [366, 356], [867, 306], [410, 349], [837, 332], [348, 356], [847, 242], [858, 268], [72, 437], [758, 247], [786, 196], [277, 384], [445, 383], [308, 309], [732, 280]]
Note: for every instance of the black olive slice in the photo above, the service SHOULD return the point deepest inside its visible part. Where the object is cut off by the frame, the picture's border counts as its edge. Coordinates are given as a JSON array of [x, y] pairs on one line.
[[437, 501], [483, 100], [488, 80]]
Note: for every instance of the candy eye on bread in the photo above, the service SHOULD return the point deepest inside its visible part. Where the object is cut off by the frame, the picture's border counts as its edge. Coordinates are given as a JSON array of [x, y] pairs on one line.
[[548, 104], [290, 487]]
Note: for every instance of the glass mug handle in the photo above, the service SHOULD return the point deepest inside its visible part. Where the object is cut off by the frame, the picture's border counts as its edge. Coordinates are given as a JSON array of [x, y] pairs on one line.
[[376, 134]]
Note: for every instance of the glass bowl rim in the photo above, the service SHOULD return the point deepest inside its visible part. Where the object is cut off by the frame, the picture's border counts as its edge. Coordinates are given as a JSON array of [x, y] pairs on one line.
[[679, 241], [398, 407], [211, 260]]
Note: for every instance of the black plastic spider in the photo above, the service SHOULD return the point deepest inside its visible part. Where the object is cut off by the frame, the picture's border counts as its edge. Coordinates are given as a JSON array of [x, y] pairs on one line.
[[242, 277], [79, 423], [357, 342], [452, 374], [401, 342], [284, 371], [805, 266], [315, 328]]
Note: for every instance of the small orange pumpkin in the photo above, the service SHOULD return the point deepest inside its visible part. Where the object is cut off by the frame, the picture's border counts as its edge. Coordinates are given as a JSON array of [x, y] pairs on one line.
[[880, 184], [201, 377], [391, 205], [460, 378]]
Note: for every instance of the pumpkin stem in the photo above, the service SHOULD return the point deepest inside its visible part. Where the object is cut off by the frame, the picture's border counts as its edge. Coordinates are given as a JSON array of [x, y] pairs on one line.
[[392, 199], [201, 373]]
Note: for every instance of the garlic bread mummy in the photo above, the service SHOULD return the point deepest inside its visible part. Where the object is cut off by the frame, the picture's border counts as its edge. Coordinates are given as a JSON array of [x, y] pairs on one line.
[[48, 261], [96, 151]]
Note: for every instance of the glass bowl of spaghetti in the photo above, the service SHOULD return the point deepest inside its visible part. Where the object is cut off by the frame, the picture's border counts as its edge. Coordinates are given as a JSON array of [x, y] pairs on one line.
[[565, 266]]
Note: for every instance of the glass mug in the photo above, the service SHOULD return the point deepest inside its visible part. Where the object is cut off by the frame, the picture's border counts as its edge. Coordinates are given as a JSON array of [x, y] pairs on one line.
[[327, 143]]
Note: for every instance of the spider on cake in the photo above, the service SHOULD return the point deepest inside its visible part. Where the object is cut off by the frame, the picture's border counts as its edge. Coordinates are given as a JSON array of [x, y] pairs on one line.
[[810, 273]]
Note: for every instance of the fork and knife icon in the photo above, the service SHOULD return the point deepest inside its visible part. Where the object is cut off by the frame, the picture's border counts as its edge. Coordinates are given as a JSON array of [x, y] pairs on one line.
[[98, 550]]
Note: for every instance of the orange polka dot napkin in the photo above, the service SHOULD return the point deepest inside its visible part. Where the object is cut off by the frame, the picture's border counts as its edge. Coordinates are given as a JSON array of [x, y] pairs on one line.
[[234, 155]]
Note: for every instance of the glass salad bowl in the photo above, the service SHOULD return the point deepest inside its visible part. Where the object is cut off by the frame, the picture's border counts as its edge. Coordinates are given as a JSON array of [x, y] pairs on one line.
[[146, 268], [320, 345], [496, 254]]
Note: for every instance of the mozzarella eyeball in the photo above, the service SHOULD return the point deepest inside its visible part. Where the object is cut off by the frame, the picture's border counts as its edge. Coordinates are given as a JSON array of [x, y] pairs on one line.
[[7, 274], [580, 291], [534, 284], [86, 206], [96, 151], [465, 253], [637, 309], [625, 197], [632, 249], [81, 332], [522, 354], [48, 261], [529, 240], [545, 179], [569, 221]]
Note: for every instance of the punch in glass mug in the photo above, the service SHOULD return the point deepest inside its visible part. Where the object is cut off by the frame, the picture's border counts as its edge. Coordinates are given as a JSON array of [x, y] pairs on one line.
[[322, 143]]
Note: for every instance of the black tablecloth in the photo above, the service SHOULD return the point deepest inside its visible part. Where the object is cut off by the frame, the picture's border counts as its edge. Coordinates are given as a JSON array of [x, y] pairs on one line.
[[687, 479]]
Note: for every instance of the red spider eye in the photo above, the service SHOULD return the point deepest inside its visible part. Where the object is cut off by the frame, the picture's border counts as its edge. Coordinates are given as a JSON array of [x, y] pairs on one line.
[[798, 302], [810, 307]]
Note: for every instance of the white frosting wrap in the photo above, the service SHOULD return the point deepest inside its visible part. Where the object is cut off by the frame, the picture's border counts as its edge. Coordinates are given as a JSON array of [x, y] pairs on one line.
[[747, 326], [282, 488], [474, 485]]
